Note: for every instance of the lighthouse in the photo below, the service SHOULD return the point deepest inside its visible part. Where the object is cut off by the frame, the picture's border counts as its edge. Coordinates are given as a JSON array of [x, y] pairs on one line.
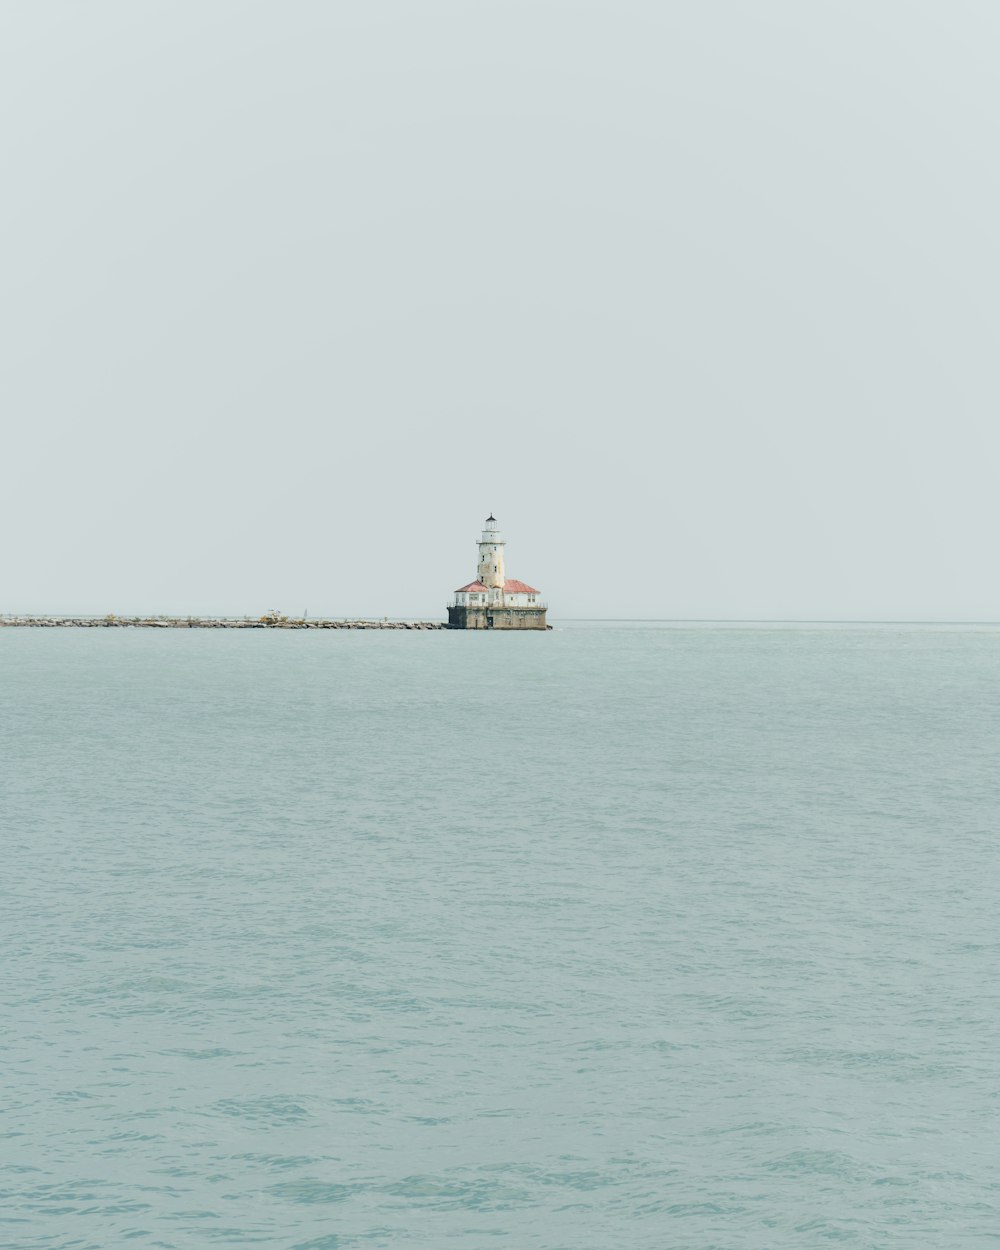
[[491, 568], [494, 600]]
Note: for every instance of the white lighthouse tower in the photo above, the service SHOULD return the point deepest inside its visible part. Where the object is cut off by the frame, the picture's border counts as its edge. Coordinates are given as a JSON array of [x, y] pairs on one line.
[[494, 600], [491, 570]]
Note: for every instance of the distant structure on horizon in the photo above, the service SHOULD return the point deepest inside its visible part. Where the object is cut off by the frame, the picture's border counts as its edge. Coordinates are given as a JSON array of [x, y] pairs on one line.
[[494, 600]]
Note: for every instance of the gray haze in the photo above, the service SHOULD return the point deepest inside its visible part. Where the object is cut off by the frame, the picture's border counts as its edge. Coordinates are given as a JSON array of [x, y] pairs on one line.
[[701, 299]]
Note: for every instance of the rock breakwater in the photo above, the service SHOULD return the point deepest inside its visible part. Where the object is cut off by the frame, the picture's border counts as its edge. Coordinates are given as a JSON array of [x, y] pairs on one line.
[[271, 621]]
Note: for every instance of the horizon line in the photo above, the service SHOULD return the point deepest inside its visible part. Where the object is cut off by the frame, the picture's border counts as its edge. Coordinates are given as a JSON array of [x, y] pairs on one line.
[[790, 620], [662, 620]]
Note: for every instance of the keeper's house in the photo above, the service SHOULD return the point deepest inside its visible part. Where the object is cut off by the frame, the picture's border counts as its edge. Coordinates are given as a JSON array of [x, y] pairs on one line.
[[493, 600]]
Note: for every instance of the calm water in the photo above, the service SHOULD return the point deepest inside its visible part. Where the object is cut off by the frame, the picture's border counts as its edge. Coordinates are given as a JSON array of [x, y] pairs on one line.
[[613, 938]]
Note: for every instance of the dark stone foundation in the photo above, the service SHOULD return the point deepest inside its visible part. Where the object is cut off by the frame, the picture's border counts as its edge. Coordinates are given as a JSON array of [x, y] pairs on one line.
[[496, 618]]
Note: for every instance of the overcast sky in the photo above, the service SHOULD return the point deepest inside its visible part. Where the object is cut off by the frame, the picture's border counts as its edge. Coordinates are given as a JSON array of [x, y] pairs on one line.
[[701, 298]]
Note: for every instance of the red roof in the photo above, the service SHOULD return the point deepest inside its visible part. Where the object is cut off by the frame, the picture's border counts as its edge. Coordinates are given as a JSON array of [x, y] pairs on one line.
[[511, 587]]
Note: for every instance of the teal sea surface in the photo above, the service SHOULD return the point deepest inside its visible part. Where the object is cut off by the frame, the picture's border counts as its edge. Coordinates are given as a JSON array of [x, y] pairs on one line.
[[620, 937]]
